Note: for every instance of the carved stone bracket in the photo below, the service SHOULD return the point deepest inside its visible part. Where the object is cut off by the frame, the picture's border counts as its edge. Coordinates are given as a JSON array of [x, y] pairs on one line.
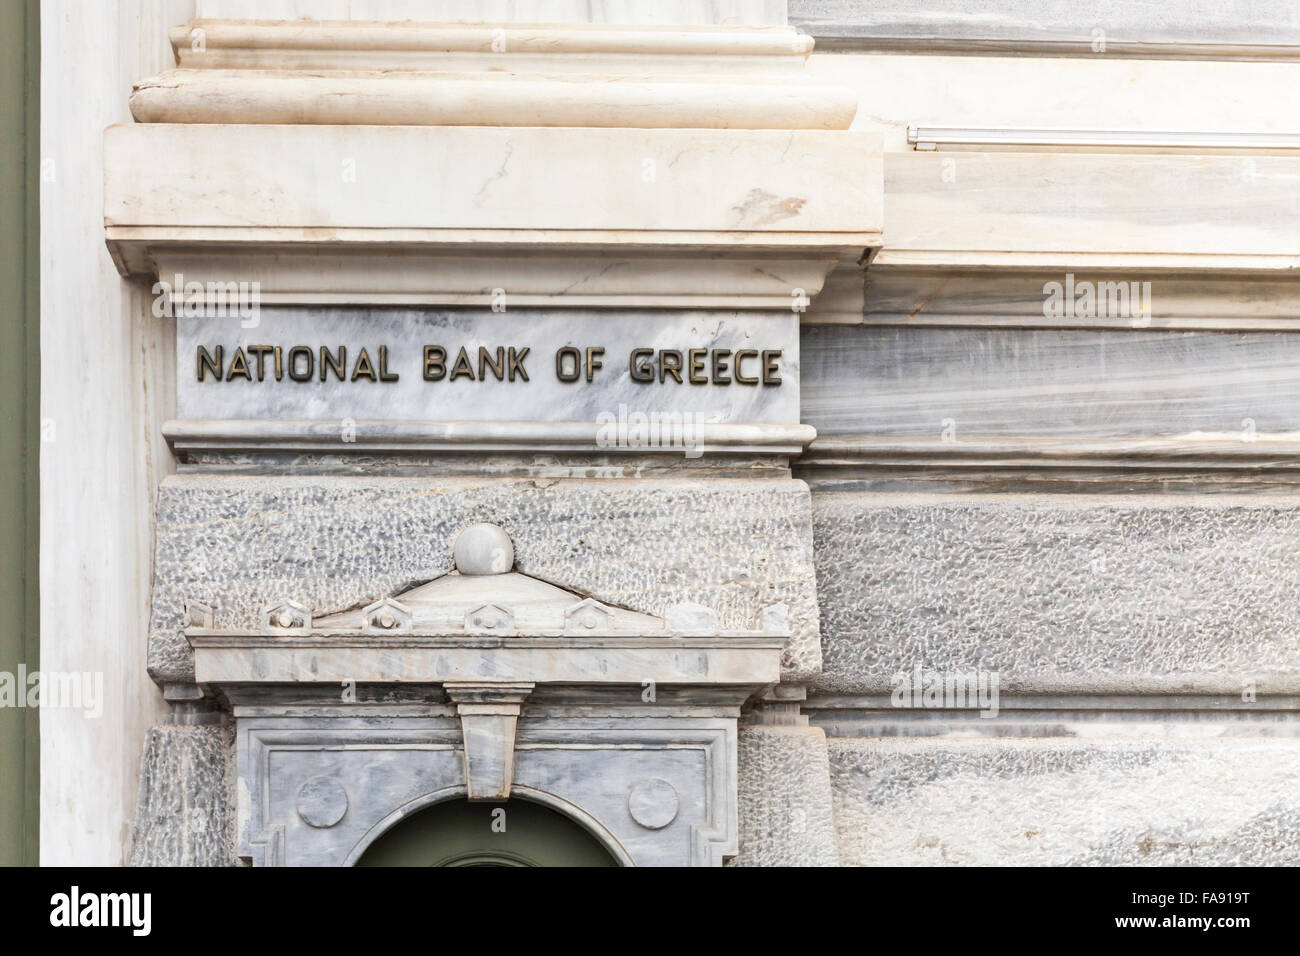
[[488, 716]]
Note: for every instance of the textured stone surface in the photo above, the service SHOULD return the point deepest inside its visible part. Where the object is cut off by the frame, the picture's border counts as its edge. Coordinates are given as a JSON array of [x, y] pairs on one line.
[[1102, 593], [186, 815], [986, 802], [334, 543], [785, 800]]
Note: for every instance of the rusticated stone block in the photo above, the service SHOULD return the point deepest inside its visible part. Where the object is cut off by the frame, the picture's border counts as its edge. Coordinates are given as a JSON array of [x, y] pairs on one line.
[[1087, 594], [186, 815], [785, 800], [1061, 802]]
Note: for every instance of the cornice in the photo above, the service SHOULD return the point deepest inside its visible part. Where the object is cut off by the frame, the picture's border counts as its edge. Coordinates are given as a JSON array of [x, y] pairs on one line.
[[448, 215], [430, 74]]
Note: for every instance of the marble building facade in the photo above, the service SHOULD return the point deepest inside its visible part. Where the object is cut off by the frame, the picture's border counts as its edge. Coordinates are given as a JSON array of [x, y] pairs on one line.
[[805, 433]]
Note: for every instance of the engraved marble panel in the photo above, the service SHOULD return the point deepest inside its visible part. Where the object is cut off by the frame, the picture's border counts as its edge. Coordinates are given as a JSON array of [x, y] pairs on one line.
[[542, 397]]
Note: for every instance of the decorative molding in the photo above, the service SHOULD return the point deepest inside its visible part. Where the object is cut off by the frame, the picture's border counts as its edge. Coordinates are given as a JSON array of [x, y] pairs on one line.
[[710, 741], [498, 47], [1178, 299], [440, 100], [1181, 714], [348, 769], [1225, 452], [1206, 262], [321, 802], [588, 616], [729, 658], [374, 436], [429, 74], [1075, 140], [343, 116], [490, 618], [360, 274], [1178, 29], [363, 163]]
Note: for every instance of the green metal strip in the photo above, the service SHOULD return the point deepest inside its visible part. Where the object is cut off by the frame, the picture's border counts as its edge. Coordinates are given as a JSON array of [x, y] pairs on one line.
[[19, 424]]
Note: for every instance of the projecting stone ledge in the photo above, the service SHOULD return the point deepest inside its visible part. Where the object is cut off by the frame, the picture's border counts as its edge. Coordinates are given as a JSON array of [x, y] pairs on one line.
[[791, 202]]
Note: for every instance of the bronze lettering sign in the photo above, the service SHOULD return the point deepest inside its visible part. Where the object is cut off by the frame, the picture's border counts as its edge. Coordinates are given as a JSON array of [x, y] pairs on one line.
[[645, 366]]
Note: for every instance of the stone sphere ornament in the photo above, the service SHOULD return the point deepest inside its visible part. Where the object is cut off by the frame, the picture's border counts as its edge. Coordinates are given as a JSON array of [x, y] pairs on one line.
[[483, 549]]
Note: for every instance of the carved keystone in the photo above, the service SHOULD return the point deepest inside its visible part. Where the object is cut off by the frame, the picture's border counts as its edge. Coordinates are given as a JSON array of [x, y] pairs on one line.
[[489, 713]]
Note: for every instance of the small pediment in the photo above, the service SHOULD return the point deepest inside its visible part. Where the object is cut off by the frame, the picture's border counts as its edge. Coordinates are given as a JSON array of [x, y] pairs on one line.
[[286, 617], [490, 619], [489, 597], [508, 604], [484, 596], [589, 615], [386, 616]]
